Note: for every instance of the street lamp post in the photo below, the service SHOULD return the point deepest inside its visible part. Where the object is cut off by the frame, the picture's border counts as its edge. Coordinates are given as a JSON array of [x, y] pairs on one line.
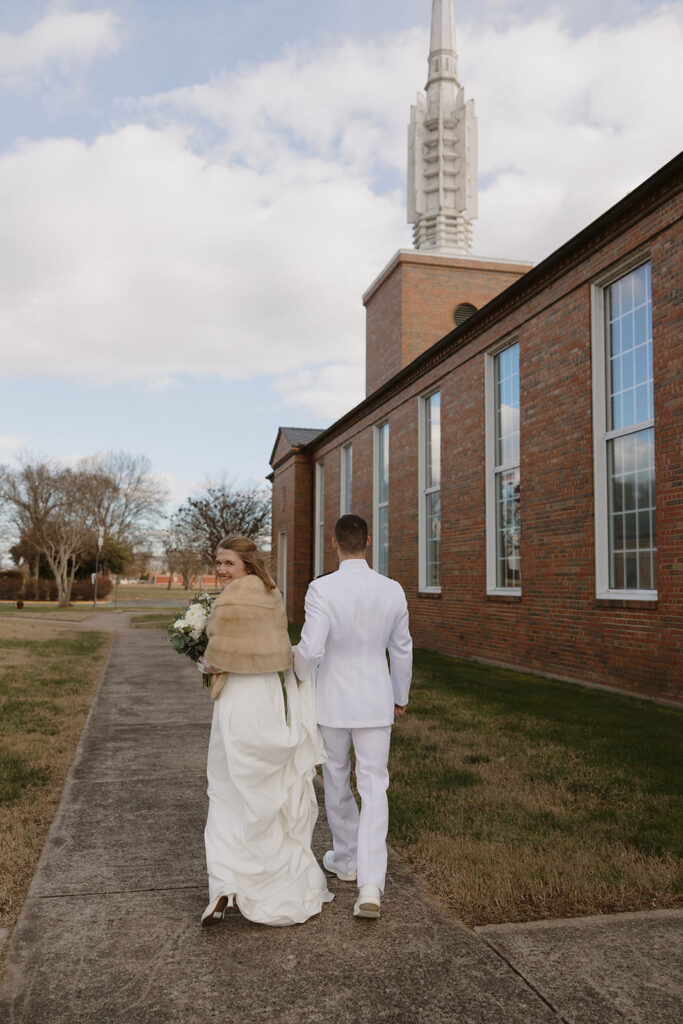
[[100, 542]]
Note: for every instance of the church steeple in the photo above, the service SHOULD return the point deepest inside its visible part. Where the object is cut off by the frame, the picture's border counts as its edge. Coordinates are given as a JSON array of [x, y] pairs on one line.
[[442, 149], [442, 40]]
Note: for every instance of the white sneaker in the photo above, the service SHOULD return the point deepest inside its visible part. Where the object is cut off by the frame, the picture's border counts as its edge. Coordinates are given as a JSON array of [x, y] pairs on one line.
[[367, 904], [329, 865]]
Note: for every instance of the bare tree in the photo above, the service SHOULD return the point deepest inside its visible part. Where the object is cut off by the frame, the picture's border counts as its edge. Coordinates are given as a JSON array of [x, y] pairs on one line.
[[65, 535], [126, 499], [140, 563], [186, 561], [183, 555], [48, 506], [220, 510], [56, 511]]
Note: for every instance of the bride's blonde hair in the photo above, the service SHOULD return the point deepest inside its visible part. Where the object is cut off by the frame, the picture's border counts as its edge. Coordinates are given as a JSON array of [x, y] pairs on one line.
[[253, 560]]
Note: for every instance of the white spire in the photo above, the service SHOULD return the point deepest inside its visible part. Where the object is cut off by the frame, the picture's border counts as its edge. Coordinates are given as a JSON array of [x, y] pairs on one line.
[[442, 149]]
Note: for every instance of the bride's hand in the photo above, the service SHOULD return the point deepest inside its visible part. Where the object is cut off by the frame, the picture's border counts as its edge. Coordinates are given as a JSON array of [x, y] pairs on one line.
[[206, 669]]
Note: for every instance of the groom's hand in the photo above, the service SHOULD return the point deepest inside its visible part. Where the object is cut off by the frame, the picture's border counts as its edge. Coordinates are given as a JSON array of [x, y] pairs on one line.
[[399, 709]]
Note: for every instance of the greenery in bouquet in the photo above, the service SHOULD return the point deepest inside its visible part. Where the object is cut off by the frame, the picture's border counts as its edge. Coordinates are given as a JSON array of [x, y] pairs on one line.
[[187, 633]]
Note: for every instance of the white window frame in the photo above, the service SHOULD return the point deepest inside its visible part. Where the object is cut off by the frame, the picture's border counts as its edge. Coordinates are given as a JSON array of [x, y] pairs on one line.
[[422, 490], [282, 564], [601, 435], [375, 496], [346, 493], [319, 545], [491, 468]]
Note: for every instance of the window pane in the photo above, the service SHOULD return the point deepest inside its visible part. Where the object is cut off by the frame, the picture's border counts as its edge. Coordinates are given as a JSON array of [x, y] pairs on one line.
[[508, 529], [347, 477], [629, 321], [507, 480], [383, 475], [633, 550], [320, 518], [641, 282], [382, 498], [432, 414], [507, 406], [383, 540], [433, 539]]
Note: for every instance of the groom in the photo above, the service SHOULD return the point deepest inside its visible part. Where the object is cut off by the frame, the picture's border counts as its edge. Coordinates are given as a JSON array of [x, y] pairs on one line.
[[353, 617]]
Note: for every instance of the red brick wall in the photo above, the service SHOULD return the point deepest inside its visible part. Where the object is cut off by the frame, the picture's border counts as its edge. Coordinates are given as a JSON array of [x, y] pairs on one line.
[[411, 305], [292, 504], [432, 291], [383, 327], [557, 626]]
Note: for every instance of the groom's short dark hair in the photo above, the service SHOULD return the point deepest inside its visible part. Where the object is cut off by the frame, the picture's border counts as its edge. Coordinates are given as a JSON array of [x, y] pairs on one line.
[[351, 534]]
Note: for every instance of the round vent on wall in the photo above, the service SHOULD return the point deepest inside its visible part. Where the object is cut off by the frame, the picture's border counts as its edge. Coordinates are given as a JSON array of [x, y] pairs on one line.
[[462, 312]]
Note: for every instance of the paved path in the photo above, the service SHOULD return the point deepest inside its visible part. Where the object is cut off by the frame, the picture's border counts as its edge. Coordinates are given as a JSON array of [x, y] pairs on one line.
[[110, 929]]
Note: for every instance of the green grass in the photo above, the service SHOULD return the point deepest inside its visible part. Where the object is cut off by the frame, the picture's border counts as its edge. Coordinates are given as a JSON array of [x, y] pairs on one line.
[[519, 797], [17, 775], [48, 673], [58, 666], [522, 797], [152, 620]]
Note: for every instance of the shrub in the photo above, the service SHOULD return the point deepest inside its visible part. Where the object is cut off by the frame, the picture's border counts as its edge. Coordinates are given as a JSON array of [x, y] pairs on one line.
[[46, 590], [83, 590], [11, 586]]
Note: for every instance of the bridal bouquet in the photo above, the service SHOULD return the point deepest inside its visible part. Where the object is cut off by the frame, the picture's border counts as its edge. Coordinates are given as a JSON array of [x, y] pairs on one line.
[[187, 633]]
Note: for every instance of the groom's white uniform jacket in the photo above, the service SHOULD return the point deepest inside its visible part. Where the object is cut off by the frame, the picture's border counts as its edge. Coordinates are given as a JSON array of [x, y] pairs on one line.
[[353, 617]]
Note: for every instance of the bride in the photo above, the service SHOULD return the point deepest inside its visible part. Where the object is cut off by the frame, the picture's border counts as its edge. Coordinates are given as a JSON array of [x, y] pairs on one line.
[[261, 762]]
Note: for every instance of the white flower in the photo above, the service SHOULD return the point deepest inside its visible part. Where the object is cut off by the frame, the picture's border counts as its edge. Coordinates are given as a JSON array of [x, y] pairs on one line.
[[196, 617]]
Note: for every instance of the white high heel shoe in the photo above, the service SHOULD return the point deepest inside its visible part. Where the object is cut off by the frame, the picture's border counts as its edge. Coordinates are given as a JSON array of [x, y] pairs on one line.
[[216, 909]]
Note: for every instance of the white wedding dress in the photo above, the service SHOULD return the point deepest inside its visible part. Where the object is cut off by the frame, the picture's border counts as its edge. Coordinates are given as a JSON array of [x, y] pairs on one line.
[[262, 805]]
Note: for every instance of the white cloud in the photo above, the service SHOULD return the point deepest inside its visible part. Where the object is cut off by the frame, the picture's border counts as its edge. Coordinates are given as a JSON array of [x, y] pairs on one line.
[[345, 103], [62, 38], [137, 258], [568, 124], [326, 392], [235, 232]]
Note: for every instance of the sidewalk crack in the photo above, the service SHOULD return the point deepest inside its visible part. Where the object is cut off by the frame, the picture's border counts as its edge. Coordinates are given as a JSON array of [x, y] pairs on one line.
[[114, 892], [525, 980]]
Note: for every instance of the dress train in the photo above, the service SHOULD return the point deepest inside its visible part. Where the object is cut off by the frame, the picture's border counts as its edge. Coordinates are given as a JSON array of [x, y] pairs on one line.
[[262, 804]]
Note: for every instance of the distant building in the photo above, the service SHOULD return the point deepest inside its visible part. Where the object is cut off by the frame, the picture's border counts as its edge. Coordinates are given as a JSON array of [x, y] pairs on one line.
[[202, 582], [519, 453]]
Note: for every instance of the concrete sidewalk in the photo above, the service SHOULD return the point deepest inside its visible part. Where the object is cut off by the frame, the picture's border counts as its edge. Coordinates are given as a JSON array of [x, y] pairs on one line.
[[110, 929]]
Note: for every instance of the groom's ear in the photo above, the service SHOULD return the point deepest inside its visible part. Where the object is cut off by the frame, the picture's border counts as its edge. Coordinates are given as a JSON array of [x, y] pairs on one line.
[[368, 542], [335, 546]]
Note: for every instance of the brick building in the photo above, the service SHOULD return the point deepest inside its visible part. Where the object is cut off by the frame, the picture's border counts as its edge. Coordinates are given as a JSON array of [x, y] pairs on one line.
[[523, 475]]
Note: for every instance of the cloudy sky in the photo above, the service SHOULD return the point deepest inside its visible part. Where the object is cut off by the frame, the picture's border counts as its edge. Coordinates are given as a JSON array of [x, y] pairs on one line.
[[194, 195]]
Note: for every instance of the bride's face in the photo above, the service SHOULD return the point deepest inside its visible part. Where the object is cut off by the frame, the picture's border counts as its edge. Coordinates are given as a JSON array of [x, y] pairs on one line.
[[229, 566]]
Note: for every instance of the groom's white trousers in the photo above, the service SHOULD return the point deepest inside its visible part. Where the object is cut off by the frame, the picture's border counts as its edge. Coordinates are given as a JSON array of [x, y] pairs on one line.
[[360, 839]]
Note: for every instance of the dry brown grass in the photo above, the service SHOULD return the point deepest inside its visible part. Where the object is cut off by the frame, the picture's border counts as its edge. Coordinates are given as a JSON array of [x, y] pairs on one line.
[[518, 798], [481, 883], [151, 592], [45, 610], [48, 675]]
